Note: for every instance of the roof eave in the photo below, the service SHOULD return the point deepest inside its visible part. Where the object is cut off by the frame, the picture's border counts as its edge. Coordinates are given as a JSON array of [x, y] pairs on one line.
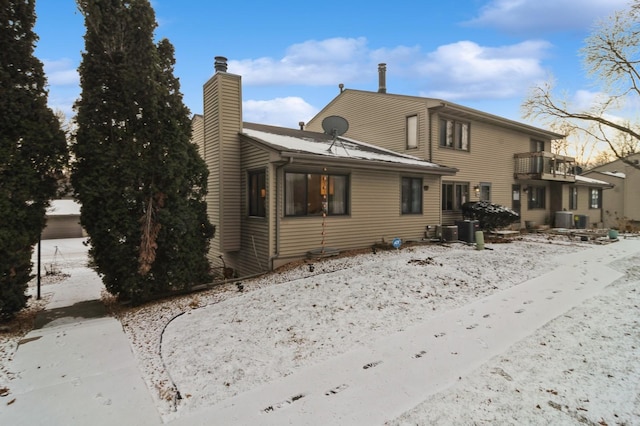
[[361, 163], [484, 116]]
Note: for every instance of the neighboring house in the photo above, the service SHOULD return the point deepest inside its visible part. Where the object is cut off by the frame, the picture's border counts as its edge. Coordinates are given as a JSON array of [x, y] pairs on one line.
[[623, 201], [277, 194], [63, 220], [585, 201], [498, 160]]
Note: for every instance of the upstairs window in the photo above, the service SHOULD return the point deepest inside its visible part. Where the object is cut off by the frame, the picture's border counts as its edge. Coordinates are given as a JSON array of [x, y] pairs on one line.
[[311, 194], [454, 134], [454, 195], [411, 195], [257, 193], [412, 132]]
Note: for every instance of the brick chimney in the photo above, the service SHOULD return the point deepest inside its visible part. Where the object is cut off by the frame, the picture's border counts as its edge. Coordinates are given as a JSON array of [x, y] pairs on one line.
[[382, 78]]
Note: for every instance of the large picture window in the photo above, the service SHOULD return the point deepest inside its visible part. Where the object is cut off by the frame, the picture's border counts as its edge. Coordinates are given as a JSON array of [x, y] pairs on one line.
[[536, 196], [454, 195], [454, 134], [411, 195], [305, 194], [257, 193]]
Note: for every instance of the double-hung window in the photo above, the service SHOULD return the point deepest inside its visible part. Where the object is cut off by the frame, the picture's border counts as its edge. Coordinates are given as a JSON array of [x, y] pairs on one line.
[[454, 195], [312, 194], [454, 134], [257, 193]]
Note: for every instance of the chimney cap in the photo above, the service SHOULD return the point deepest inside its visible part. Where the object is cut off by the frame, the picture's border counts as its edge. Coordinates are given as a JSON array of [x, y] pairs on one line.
[[220, 64]]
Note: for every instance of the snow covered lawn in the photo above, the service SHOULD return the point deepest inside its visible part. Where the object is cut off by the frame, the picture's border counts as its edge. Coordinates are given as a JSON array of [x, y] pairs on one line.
[[198, 350]]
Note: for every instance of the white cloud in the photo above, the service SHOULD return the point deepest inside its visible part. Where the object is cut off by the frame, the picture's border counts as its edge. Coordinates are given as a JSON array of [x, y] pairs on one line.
[[462, 70], [310, 63], [535, 16], [62, 72], [466, 70], [286, 112]]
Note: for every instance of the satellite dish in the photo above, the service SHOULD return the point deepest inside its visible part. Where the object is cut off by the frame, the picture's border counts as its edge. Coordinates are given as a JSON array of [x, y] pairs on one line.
[[335, 125]]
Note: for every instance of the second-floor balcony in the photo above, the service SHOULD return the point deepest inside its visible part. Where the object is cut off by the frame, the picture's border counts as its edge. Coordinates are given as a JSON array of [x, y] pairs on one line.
[[544, 166]]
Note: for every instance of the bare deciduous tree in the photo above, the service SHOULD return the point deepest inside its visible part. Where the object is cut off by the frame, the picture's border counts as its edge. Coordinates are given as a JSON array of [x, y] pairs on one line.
[[610, 55]]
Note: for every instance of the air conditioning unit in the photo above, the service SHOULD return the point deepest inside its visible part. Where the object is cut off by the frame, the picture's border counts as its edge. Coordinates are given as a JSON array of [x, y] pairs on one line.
[[450, 233], [581, 221], [467, 230], [564, 220]]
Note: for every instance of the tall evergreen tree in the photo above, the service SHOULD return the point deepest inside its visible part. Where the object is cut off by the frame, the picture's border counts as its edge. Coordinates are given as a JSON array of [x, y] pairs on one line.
[[138, 177], [33, 151]]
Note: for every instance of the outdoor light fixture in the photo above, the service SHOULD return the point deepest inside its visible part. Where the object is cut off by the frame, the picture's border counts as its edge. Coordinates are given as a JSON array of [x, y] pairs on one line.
[[476, 189]]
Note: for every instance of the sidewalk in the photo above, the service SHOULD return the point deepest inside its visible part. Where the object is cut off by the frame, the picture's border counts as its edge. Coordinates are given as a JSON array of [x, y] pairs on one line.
[[76, 367]]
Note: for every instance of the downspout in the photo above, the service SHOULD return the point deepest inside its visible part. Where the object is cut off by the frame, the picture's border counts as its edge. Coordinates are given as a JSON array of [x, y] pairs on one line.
[[430, 115], [276, 255]]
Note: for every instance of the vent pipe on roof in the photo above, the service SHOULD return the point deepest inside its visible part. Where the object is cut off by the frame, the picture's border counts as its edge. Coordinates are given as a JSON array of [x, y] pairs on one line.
[[341, 87], [220, 64], [301, 124], [382, 78]]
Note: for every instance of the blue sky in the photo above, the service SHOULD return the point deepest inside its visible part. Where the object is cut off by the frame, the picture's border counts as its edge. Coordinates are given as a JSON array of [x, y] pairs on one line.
[[292, 55]]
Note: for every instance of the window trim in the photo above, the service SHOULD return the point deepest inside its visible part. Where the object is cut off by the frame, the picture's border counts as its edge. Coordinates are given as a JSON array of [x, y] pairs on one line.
[[454, 130], [412, 135], [256, 203], [456, 203], [598, 204], [410, 203], [540, 203], [573, 197], [484, 185], [325, 209]]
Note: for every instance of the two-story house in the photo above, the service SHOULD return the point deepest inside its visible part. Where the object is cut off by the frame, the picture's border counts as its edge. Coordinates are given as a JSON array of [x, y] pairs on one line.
[[370, 167], [498, 160]]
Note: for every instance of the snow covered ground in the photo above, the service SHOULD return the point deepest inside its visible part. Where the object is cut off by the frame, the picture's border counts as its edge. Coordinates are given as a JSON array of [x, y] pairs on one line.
[[201, 350], [384, 333]]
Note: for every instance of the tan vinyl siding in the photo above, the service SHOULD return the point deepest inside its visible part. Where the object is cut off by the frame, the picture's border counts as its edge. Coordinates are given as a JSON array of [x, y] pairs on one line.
[[375, 216], [489, 159], [369, 120], [211, 127], [254, 252], [223, 118], [628, 189], [584, 197]]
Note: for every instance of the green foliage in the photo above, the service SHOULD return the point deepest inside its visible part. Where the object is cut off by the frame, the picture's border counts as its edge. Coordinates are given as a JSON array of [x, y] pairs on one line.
[[32, 152], [138, 177], [490, 216]]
